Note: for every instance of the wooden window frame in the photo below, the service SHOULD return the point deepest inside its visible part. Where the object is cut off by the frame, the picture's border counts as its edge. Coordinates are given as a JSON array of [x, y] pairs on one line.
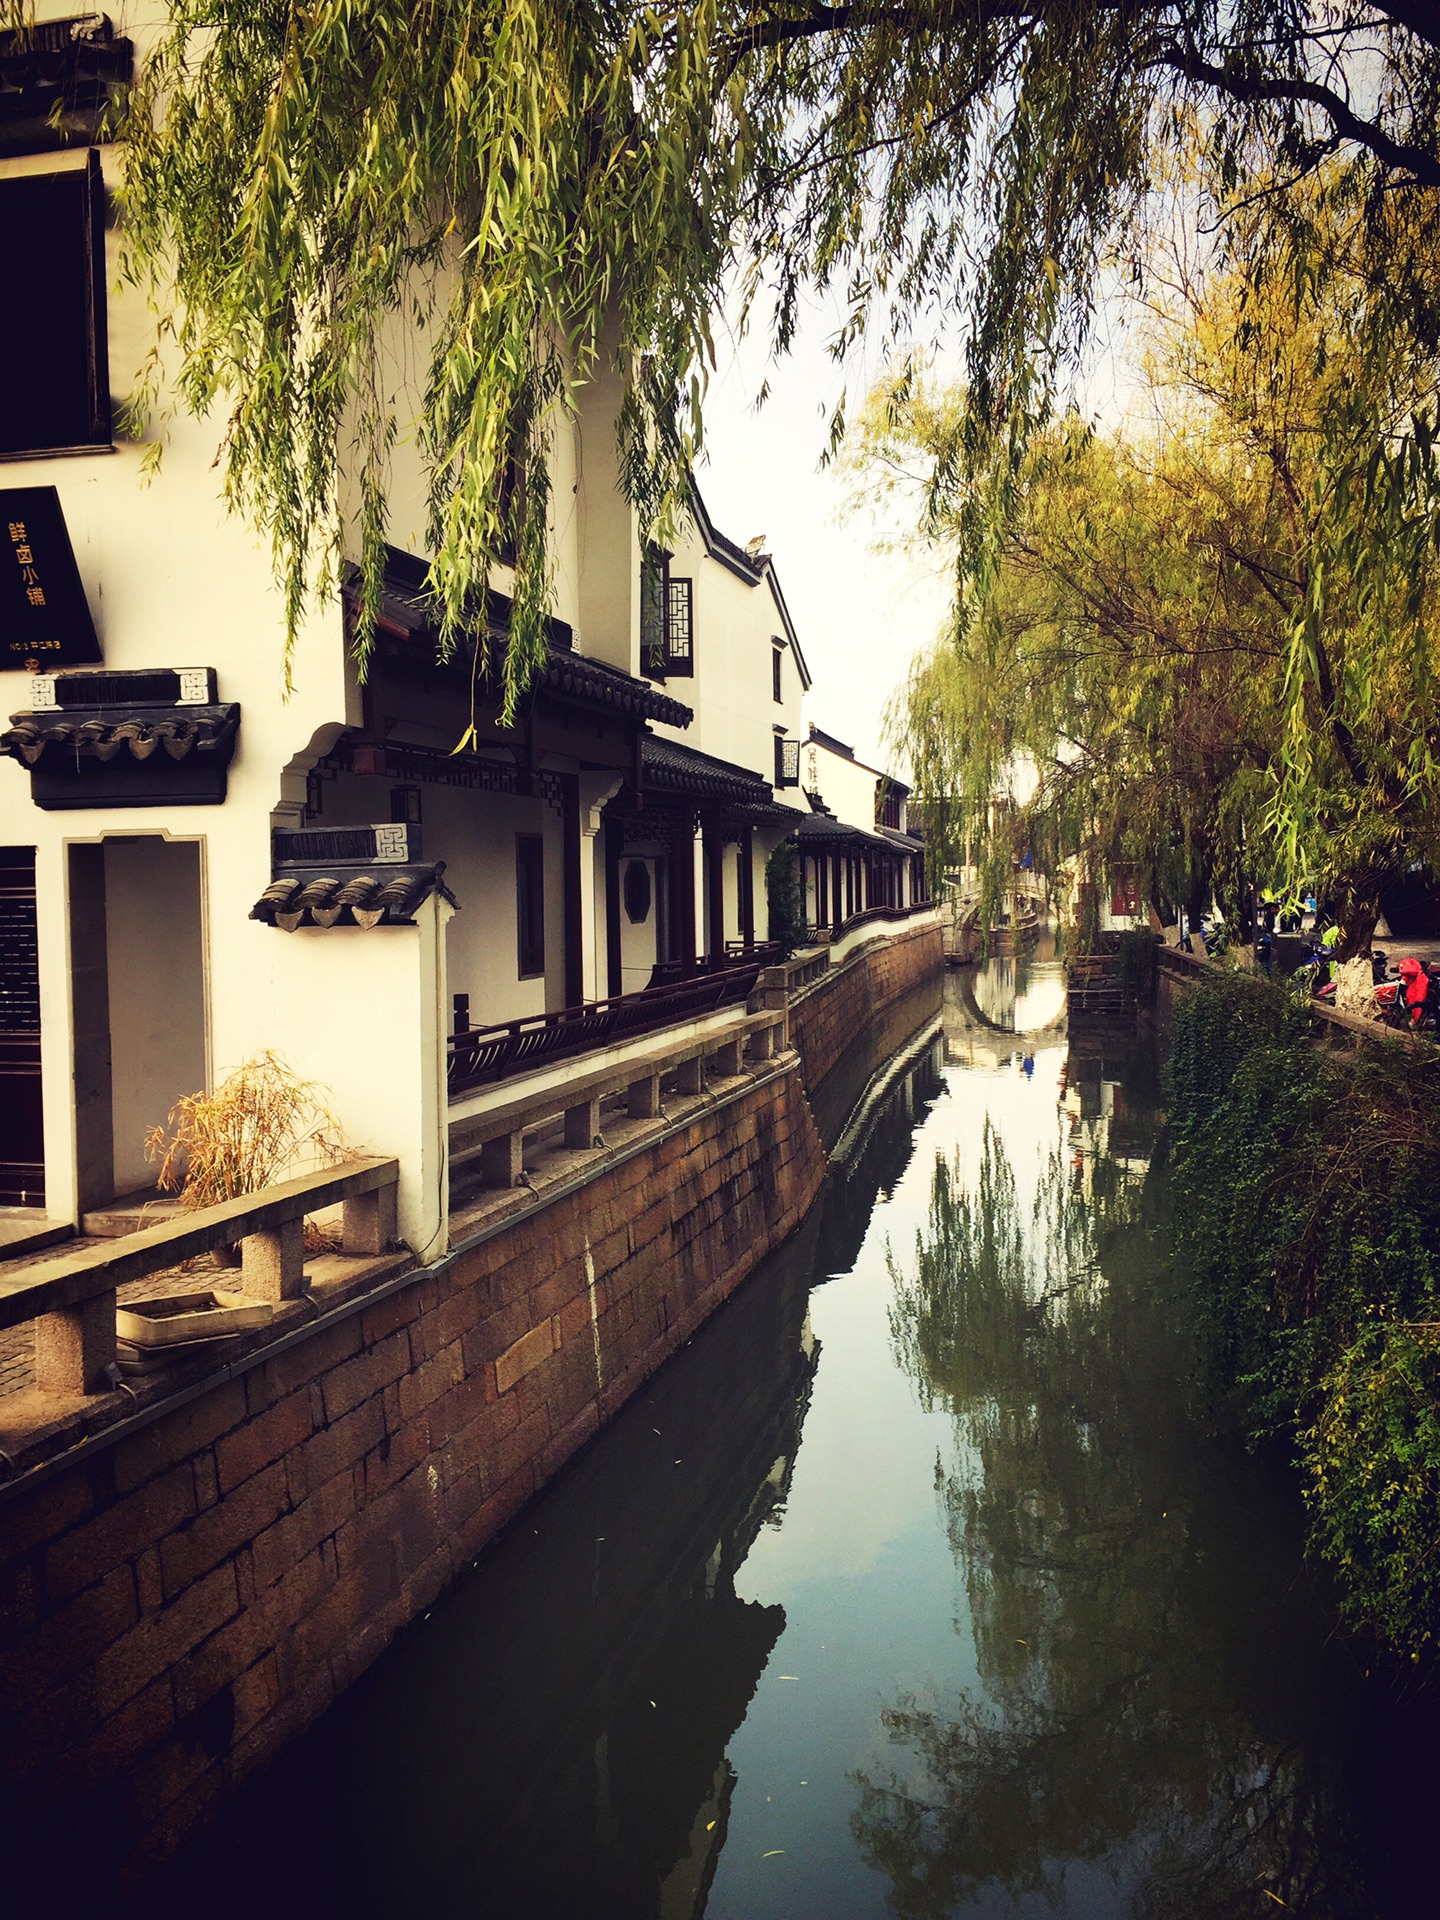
[[679, 625], [782, 778], [654, 599], [530, 884], [98, 435]]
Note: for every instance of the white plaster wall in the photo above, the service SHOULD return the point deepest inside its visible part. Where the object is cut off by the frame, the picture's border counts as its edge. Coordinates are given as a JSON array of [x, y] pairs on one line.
[[474, 833], [365, 1013], [606, 542], [732, 688], [405, 350], [846, 786], [175, 581], [638, 939]]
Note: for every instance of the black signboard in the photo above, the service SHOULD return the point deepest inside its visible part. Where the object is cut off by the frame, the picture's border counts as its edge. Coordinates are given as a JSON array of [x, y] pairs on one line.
[[44, 619]]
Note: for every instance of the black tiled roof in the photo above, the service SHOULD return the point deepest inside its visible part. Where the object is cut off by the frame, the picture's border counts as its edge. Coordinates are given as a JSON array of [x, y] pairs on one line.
[[100, 733], [349, 897], [576, 676], [823, 829], [405, 606], [766, 813], [67, 71], [671, 768]]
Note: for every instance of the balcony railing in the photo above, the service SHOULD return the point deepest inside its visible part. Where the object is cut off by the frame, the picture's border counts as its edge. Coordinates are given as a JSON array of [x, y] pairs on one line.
[[479, 1056], [864, 917], [671, 973]]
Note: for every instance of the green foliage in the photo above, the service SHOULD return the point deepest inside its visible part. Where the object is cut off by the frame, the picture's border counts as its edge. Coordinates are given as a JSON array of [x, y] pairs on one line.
[[785, 897], [1137, 952], [537, 189], [1373, 1456], [517, 186], [1208, 648], [1307, 1198]]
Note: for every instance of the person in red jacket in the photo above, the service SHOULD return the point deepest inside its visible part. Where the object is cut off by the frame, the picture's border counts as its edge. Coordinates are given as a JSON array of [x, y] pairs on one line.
[[1417, 986]]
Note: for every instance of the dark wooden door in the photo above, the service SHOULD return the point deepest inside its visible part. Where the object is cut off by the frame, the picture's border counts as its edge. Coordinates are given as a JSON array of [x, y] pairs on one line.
[[22, 1136]]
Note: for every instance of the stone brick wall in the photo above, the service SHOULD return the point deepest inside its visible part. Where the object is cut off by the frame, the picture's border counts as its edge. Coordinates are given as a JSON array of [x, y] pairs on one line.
[[1176, 978], [830, 1017], [179, 1604]]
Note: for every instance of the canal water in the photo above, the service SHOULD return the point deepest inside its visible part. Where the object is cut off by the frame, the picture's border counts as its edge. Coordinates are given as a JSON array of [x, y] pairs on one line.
[[922, 1582]]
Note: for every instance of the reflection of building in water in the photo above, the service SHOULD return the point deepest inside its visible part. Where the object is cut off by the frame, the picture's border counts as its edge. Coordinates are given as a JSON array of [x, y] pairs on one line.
[[1110, 1102], [552, 1741]]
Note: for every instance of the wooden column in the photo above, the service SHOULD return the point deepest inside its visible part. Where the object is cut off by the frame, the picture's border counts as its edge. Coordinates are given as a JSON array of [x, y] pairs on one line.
[[614, 839], [713, 841], [682, 892], [574, 923], [90, 1013], [747, 886]]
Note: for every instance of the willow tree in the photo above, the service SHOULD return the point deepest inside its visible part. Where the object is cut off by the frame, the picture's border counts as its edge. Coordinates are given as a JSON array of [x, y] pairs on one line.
[[1210, 644], [531, 173]]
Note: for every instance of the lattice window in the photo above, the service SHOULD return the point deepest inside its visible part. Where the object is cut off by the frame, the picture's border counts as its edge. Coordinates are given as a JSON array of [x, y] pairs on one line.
[[787, 762], [680, 626], [654, 601]]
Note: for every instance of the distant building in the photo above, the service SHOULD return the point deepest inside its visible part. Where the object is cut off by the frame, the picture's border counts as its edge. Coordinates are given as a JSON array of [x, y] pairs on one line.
[[858, 851]]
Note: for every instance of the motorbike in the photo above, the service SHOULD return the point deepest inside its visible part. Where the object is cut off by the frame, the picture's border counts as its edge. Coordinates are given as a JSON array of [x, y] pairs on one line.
[[1318, 968], [1406, 996]]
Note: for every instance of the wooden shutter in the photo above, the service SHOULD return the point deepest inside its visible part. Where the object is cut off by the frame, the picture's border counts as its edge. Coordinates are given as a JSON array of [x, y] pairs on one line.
[[55, 390]]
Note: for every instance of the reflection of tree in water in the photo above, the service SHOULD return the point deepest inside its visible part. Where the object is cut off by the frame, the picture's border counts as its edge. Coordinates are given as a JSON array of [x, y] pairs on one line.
[[1143, 1688]]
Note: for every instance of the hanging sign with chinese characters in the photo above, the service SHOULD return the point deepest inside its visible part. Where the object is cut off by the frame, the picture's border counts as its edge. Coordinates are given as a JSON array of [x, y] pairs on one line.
[[44, 617]]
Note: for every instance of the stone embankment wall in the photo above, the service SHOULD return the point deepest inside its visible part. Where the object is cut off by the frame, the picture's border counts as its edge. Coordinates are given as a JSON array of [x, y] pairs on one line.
[[837, 1014], [176, 1605], [1176, 977]]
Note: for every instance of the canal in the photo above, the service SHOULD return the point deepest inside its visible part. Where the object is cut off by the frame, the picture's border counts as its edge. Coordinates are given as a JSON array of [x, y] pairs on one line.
[[922, 1582]]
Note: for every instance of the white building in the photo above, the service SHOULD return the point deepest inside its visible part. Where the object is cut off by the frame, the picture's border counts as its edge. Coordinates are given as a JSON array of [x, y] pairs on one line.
[[195, 867], [859, 855]]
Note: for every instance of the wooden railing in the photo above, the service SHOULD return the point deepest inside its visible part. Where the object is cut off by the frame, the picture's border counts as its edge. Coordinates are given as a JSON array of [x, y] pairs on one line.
[[487, 1148], [479, 1056], [673, 973], [72, 1299]]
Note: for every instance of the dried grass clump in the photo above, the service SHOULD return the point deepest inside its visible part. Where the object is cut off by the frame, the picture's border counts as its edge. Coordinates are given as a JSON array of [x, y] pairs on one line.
[[261, 1124]]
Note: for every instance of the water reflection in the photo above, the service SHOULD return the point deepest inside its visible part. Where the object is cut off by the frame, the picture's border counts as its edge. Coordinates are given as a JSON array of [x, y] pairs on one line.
[[926, 1591], [1143, 1737], [552, 1743], [1021, 994]]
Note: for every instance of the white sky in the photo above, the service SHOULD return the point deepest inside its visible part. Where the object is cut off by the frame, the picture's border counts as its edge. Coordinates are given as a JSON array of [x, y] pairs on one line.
[[860, 615]]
